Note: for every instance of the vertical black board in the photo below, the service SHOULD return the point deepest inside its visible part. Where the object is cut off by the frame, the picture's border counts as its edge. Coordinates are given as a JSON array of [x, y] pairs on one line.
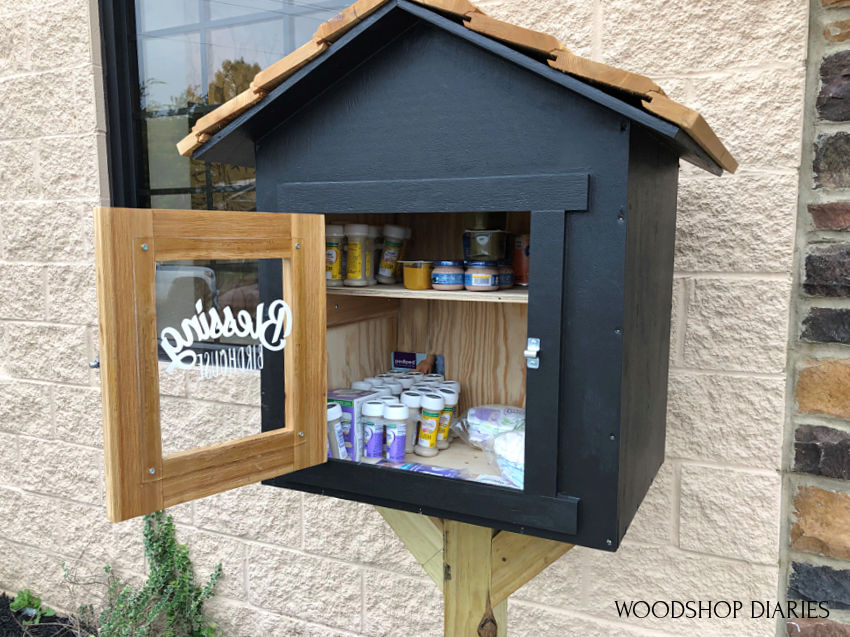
[[650, 230]]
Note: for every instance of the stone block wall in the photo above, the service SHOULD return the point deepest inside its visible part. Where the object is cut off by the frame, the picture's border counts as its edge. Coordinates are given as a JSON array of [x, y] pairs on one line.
[[299, 564], [817, 494]]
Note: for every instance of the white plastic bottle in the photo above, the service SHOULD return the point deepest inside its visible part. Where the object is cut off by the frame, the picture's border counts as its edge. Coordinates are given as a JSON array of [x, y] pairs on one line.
[[358, 257], [336, 440], [361, 384], [429, 423], [373, 429], [334, 246], [395, 424], [446, 414], [413, 401], [376, 246], [393, 241], [395, 387]]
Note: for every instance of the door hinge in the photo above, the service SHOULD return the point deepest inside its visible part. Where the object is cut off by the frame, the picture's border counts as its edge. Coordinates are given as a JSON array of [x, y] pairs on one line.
[[532, 348]]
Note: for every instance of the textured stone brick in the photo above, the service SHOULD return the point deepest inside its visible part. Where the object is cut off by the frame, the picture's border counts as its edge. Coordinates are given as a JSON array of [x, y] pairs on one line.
[[831, 216], [25, 408], [822, 451], [207, 550], [832, 170], [816, 628], [526, 619], [726, 419], [14, 45], [654, 519], [828, 270], [255, 512], [727, 329], [44, 352], [242, 388], [17, 165], [401, 606], [9, 460], [69, 43], [730, 513], [826, 325], [187, 424], [837, 31], [820, 583], [23, 295], [660, 38], [570, 22], [823, 387], [587, 582], [677, 319], [722, 224], [756, 136], [72, 292], [822, 522], [78, 415], [833, 102], [68, 166], [61, 470], [328, 530], [236, 620], [47, 231], [306, 587], [79, 531]]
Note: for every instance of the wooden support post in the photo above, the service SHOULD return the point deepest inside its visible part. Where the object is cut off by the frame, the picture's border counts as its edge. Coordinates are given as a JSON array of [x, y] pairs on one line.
[[476, 568]]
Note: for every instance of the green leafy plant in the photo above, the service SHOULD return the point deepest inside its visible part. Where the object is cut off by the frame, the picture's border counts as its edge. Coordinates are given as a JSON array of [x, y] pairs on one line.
[[30, 607], [169, 604]]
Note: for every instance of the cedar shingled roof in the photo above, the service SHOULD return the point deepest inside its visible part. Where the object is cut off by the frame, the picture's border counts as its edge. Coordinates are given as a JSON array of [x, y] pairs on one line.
[[652, 97]]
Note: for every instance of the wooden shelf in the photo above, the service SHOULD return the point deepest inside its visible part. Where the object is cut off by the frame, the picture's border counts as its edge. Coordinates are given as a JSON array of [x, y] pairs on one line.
[[398, 291]]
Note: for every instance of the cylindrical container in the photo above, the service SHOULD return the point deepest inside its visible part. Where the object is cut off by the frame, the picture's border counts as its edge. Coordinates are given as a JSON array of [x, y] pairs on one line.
[[413, 400], [451, 384], [375, 247], [417, 274], [336, 439], [395, 387], [373, 380], [446, 415], [434, 378], [358, 256], [521, 259], [416, 375], [382, 390], [429, 423], [393, 240], [406, 381], [447, 275], [484, 220], [481, 276], [484, 245], [395, 424], [361, 385], [334, 244], [352, 431], [506, 275], [396, 372], [388, 399], [373, 429]]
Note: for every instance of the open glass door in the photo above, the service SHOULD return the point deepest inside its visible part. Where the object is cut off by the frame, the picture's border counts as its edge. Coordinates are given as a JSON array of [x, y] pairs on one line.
[[194, 303]]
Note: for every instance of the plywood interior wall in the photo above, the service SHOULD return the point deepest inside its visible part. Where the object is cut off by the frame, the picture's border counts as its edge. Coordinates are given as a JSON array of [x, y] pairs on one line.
[[360, 349]]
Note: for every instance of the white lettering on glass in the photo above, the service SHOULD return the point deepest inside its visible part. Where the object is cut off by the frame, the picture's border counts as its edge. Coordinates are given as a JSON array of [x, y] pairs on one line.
[[271, 333]]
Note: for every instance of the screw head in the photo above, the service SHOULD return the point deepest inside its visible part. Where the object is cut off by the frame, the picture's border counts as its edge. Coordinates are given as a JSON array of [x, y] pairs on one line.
[[618, 331], [95, 364], [297, 246], [300, 434], [145, 247], [151, 471], [609, 542], [612, 437]]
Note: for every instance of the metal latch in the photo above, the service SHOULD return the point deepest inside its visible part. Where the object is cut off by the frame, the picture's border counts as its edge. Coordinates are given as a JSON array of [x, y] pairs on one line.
[[532, 347]]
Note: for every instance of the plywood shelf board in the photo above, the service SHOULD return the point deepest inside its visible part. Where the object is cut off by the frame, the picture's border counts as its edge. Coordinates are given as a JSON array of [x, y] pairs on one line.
[[398, 291]]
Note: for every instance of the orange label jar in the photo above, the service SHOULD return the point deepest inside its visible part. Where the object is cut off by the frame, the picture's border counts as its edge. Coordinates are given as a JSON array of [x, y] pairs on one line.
[[447, 275], [481, 276]]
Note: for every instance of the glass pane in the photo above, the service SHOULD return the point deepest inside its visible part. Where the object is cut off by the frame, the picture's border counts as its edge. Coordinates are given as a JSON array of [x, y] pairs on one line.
[[171, 71], [168, 169], [216, 341], [164, 14], [177, 202], [219, 9], [235, 54], [305, 25]]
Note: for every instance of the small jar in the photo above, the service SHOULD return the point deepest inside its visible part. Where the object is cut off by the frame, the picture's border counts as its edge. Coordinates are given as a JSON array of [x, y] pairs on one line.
[[395, 387], [336, 440], [415, 375], [434, 378], [375, 247], [396, 372], [393, 241], [362, 385], [429, 423], [373, 380], [334, 245], [358, 256], [506, 275], [388, 399], [373, 429], [481, 276], [455, 387], [406, 381], [447, 275], [446, 415], [382, 390], [413, 400], [386, 377], [395, 424], [417, 274]]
